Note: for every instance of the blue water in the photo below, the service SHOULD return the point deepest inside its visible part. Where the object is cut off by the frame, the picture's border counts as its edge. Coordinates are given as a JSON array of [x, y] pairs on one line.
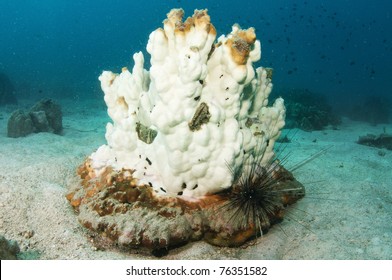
[[58, 48]]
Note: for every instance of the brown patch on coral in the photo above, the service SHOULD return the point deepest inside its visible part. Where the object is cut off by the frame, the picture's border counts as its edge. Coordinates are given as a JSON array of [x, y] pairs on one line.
[[202, 20], [199, 20], [248, 35], [240, 45], [121, 101], [132, 215], [174, 16], [239, 49]]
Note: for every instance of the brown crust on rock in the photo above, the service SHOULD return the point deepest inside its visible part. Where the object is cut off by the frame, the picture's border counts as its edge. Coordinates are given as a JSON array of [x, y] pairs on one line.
[[132, 215]]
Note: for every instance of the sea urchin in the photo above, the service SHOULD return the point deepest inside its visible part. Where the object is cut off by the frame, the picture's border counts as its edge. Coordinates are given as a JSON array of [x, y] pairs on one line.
[[260, 195]]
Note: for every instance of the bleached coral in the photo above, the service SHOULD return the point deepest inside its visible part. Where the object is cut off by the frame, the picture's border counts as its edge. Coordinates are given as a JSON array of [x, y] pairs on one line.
[[197, 115]]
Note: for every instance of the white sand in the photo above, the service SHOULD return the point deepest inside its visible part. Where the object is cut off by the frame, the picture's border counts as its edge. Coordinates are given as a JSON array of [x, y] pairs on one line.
[[345, 215]]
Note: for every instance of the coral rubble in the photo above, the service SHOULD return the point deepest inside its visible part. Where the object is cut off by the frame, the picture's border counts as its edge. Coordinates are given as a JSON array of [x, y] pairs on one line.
[[182, 135], [383, 140], [44, 116]]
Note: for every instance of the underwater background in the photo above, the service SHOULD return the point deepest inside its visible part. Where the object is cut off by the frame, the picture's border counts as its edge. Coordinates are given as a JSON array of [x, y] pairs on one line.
[[339, 49], [331, 60]]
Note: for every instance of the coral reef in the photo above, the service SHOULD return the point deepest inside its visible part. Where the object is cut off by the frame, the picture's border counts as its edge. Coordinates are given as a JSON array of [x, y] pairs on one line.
[[307, 110], [44, 116], [8, 249], [7, 90], [184, 135]]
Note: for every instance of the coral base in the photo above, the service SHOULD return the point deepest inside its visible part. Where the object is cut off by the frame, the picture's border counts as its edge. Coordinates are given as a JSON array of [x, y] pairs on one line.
[[133, 216]]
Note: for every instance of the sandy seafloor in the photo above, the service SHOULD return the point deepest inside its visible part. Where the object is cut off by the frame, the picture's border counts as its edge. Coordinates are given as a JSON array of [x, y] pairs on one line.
[[345, 215]]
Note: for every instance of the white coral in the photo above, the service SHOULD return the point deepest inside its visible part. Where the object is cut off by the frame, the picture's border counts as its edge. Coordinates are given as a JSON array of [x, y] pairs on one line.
[[155, 130]]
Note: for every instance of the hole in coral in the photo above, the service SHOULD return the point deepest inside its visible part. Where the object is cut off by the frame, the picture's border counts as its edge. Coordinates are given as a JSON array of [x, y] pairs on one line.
[[148, 160], [195, 187], [162, 189]]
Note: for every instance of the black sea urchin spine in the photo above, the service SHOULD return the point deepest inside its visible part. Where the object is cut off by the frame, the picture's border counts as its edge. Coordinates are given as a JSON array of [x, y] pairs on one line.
[[253, 199], [259, 195]]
